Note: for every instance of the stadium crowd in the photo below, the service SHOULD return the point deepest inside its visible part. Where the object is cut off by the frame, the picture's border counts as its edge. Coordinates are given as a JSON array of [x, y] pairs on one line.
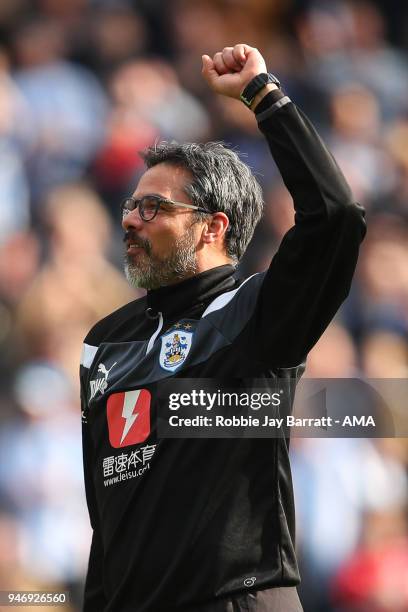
[[85, 85]]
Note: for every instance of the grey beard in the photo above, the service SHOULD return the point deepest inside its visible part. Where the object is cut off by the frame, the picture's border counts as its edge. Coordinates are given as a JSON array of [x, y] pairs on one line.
[[151, 272]]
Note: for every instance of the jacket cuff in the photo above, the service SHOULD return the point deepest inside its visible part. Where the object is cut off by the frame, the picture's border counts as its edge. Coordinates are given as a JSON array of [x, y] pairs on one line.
[[270, 104]]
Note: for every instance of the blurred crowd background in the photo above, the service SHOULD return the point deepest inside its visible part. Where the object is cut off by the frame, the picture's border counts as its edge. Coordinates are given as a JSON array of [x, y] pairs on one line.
[[85, 85]]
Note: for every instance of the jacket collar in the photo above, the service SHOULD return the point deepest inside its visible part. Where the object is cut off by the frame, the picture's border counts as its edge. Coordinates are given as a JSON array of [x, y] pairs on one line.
[[191, 293]]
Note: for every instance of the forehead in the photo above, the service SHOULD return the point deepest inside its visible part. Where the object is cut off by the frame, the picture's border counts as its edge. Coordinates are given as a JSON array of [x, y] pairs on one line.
[[164, 179]]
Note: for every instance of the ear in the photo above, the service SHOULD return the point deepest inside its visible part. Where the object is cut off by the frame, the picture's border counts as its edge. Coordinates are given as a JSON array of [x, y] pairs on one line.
[[214, 229]]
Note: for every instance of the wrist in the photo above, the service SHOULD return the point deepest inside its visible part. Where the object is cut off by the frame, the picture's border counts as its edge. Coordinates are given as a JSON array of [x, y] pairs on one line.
[[249, 96], [261, 94]]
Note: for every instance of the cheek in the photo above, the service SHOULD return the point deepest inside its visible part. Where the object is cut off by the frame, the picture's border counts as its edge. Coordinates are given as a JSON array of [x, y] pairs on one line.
[[165, 235], [162, 243]]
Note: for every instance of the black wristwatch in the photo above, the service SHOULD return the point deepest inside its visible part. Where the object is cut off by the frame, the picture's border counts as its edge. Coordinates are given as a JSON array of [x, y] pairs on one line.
[[255, 85]]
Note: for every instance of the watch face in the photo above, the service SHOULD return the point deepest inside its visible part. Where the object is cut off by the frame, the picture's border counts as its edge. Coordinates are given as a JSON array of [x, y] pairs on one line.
[[272, 79]]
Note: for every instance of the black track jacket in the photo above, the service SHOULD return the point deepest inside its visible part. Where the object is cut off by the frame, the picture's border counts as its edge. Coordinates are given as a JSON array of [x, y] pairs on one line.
[[180, 522]]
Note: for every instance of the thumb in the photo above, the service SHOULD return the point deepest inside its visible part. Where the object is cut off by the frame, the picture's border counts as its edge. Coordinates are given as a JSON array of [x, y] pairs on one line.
[[208, 70]]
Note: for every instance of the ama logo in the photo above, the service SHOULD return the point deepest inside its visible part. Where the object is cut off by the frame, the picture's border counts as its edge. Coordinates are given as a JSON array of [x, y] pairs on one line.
[[128, 415]]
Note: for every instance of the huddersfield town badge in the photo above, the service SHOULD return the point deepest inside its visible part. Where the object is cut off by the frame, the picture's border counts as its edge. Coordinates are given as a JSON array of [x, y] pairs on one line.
[[174, 349]]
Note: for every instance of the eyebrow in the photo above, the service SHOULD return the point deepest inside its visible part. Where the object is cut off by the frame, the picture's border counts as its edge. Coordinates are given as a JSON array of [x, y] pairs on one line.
[[157, 195]]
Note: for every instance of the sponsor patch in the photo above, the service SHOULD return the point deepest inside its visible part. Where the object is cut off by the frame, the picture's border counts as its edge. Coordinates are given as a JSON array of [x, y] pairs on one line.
[[128, 415]]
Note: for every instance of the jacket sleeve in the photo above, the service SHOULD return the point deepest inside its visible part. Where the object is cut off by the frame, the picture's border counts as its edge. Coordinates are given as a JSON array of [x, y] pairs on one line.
[[94, 598], [310, 275]]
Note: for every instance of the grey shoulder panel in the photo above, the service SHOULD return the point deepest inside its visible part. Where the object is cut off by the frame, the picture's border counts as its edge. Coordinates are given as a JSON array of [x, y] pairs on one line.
[[231, 311]]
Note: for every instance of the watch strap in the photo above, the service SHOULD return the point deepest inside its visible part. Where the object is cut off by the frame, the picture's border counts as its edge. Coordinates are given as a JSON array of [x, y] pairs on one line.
[[256, 84]]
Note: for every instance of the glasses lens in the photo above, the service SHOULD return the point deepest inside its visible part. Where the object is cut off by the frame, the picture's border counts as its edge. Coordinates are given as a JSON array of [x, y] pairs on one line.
[[148, 207], [128, 205]]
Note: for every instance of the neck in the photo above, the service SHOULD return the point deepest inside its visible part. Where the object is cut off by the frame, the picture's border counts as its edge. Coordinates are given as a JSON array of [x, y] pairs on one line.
[[206, 260]]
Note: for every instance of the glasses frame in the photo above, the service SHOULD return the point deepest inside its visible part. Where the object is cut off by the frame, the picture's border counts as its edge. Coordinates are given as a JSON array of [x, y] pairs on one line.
[[159, 200]]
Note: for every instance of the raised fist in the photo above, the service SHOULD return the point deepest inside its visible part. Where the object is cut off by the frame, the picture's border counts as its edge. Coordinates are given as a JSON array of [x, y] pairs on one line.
[[230, 70]]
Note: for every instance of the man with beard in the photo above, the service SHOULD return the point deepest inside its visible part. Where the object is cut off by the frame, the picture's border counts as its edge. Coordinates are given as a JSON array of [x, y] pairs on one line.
[[208, 524]]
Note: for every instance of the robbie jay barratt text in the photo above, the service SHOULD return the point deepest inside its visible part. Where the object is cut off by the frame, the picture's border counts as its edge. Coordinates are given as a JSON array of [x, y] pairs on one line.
[[247, 421], [267, 421]]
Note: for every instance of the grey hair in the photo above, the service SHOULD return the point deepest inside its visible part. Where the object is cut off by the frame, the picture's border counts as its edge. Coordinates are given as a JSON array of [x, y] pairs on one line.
[[221, 182]]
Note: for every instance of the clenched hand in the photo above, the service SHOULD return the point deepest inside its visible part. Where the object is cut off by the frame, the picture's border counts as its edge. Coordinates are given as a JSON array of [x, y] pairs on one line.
[[230, 70]]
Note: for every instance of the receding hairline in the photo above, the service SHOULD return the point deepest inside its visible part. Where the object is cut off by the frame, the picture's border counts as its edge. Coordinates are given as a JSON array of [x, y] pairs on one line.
[[179, 168]]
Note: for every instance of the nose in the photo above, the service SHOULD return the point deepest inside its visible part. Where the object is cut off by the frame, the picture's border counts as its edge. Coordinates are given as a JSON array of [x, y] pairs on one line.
[[132, 220]]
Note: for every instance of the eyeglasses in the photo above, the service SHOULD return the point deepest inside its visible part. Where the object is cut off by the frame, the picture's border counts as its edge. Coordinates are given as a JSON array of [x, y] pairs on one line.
[[149, 206]]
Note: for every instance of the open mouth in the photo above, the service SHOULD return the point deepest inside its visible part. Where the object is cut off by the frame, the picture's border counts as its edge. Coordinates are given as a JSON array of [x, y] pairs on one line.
[[135, 244], [133, 247]]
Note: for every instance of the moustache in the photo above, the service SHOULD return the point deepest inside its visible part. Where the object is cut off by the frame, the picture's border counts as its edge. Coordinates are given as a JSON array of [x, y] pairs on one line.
[[132, 238]]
